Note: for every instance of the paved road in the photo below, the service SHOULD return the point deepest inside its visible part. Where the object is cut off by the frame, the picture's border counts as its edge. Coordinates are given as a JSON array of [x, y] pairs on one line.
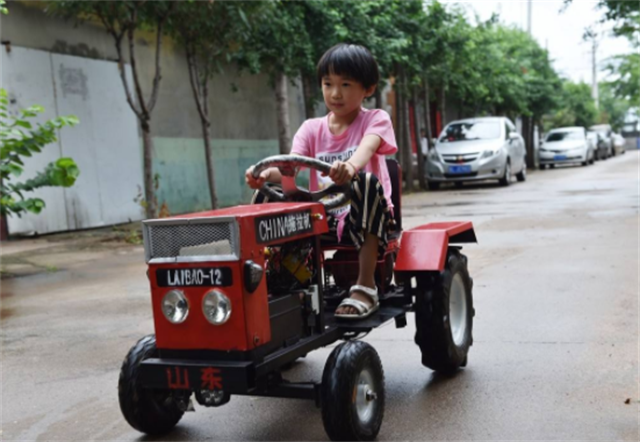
[[556, 331]]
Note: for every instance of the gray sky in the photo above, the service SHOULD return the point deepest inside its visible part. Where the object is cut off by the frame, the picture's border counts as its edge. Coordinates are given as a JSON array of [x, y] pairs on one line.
[[561, 31]]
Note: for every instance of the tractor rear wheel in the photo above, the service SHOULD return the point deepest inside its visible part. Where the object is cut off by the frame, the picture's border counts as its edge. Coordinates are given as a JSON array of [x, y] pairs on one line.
[[444, 315], [353, 392], [154, 412]]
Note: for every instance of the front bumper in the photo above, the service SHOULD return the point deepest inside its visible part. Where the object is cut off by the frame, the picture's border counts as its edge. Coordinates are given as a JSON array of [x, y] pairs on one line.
[[479, 169], [566, 157], [176, 374]]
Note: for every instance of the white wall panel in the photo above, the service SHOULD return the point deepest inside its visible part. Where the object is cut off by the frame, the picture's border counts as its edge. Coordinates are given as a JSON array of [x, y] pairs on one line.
[[105, 143], [26, 75]]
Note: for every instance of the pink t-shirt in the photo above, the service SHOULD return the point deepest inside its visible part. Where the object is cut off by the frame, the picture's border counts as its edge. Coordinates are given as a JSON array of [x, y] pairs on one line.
[[314, 139]]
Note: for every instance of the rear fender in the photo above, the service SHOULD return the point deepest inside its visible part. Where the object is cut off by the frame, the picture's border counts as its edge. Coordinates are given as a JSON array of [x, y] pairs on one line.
[[424, 248]]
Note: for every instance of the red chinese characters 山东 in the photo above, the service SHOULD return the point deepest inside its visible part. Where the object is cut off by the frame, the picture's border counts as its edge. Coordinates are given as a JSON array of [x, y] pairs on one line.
[[178, 378], [211, 379]]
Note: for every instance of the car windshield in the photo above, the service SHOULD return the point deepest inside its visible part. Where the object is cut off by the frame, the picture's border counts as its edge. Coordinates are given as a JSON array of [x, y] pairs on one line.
[[484, 130], [563, 136]]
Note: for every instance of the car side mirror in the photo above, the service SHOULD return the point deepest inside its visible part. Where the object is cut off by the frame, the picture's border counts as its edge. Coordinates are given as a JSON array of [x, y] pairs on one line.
[[513, 135]]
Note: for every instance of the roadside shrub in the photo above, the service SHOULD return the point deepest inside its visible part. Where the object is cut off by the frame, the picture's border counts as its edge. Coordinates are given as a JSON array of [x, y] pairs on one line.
[[20, 139]]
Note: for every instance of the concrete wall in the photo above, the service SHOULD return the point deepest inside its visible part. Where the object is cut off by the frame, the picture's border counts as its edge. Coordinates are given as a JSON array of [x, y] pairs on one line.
[[244, 122]]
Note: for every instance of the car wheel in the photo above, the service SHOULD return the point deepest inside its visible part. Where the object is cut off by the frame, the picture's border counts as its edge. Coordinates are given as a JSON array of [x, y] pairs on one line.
[[506, 178], [154, 412], [543, 166], [444, 315], [522, 175], [584, 163], [458, 184], [353, 392], [552, 166], [433, 185]]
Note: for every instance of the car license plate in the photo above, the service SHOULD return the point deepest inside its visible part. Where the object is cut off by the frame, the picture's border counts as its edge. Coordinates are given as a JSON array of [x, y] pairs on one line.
[[194, 277], [459, 169], [560, 157]]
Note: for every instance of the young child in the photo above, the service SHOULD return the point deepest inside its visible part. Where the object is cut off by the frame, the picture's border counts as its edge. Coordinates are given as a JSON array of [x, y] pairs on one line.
[[355, 141]]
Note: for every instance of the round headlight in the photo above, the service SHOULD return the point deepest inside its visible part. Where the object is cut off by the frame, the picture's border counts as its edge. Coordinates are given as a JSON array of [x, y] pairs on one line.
[[216, 307], [175, 306]]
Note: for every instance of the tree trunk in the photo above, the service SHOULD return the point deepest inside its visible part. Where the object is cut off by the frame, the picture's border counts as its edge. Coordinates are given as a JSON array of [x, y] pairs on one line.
[[307, 93], [378, 97], [526, 131], [149, 187], [399, 125], [442, 106], [206, 135], [416, 130], [530, 146], [282, 111], [408, 158], [200, 88], [427, 112], [407, 167]]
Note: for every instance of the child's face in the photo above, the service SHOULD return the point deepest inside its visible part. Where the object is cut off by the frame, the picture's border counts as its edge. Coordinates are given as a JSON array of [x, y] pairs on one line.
[[343, 95]]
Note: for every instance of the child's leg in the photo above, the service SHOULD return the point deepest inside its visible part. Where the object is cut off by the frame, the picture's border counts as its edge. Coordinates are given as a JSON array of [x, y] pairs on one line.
[[367, 226], [367, 265]]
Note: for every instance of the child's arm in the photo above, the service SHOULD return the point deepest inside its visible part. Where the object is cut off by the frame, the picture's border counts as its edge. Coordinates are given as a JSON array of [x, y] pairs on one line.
[[271, 175], [344, 171]]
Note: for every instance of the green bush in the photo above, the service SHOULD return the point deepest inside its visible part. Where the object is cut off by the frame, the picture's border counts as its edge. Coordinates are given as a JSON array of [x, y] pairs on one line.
[[20, 139]]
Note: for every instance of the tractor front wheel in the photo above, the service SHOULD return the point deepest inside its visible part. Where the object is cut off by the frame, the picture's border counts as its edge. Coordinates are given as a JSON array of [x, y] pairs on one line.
[[444, 315], [353, 392], [154, 412]]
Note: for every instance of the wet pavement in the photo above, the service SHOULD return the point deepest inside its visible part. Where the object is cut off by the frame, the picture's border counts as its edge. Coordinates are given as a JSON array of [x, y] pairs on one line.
[[555, 353]]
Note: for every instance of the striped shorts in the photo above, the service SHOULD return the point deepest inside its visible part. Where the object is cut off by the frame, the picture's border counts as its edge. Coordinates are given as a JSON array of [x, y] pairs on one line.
[[369, 213]]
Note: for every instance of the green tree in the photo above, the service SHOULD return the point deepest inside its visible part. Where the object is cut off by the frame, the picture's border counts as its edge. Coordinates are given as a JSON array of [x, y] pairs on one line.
[[625, 14], [576, 107], [612, 108], [626, 71], [278, 46], [210, 32], [20, 139], [122, 19]]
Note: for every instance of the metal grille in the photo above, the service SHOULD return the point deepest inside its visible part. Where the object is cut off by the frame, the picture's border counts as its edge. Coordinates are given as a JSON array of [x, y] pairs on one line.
[[191, 240], [461, 158]]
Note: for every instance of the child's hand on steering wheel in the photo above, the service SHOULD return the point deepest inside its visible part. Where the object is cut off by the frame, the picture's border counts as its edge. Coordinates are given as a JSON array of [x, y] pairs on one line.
[[256, 183], [342, 172]]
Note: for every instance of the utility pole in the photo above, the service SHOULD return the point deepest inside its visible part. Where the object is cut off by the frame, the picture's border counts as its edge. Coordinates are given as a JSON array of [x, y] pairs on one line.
[[594, 72], [591, 35], [528, 123]]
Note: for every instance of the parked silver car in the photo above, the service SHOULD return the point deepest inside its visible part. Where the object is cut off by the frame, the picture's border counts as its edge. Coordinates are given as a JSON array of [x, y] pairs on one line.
[[566, 145], [619, 143], [477, 149], [606, 146]]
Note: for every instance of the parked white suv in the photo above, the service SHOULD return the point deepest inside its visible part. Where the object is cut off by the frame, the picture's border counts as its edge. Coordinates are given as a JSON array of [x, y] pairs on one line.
[[477, 149]]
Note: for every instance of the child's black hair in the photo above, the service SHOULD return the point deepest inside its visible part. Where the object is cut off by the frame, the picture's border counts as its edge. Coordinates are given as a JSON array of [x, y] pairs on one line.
[[352, 61]]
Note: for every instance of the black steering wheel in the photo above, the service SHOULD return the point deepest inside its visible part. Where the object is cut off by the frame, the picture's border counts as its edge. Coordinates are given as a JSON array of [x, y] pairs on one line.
[[289, 165]]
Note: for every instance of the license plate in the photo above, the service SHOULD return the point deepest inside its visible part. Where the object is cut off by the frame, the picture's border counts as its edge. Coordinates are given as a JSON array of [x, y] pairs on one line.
[[194, 277], [560, 157], [459, 169]]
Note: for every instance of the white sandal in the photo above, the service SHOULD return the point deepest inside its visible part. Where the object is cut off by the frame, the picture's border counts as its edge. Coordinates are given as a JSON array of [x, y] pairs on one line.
[[364, 310]]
